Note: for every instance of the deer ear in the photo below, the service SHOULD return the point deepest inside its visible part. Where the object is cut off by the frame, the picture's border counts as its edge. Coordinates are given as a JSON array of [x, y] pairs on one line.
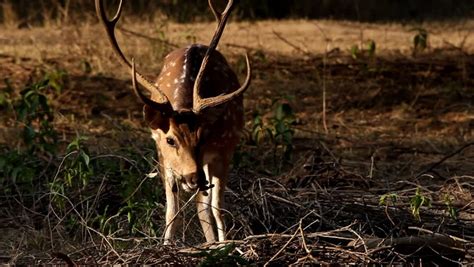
[[156, 119]]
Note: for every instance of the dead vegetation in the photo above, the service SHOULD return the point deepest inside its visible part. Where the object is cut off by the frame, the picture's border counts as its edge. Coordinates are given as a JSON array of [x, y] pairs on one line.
[[383, 175]]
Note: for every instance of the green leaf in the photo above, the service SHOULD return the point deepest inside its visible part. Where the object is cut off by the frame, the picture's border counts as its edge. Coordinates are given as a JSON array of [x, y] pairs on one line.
[[383, 199], [29, 134], [85, 157]]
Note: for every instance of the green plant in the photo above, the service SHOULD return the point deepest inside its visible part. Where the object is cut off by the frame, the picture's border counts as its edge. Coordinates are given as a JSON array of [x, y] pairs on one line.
[[367, 51], [36, 116], [355, 51], [221, 257], [277, 131], [106, 192], [450, 209], [420, 40], [371, 48], [282, 122], [56, 80], [137, 196], [418, 201], [258, 56], [5, 95], [384, 199], [77, 166], [17, 170], [75, 174], [260, 131]]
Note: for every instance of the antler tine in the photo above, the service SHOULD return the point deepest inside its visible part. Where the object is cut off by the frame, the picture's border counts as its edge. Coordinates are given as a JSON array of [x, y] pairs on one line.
[[213, 9], [110, 29], [163, 107], [199, 103]]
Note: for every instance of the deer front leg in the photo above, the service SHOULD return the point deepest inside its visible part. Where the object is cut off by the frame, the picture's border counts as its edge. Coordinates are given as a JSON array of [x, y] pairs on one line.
[[217, 201], [172, 207], [203, 203], [218, 172]]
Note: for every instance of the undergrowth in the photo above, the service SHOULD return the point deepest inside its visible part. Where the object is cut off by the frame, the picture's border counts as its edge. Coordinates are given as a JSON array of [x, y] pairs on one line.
[[64, 182], [81, 196]]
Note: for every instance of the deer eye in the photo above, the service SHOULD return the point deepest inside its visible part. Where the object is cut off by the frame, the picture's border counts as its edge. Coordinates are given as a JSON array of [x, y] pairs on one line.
[[170, 141]]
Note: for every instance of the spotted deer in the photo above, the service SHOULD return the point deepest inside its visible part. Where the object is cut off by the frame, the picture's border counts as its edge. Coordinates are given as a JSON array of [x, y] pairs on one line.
[[195, 112]]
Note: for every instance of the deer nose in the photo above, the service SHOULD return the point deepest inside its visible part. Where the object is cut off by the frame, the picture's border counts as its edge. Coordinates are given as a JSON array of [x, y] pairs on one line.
[[190, 182]]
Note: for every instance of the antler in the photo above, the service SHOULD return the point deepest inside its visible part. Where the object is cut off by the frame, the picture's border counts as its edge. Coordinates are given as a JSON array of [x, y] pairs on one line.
[[164, 108], [109, 25], [198, 102]]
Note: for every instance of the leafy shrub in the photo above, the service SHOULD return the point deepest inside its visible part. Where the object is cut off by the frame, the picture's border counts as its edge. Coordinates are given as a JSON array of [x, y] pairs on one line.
[[272, 132]]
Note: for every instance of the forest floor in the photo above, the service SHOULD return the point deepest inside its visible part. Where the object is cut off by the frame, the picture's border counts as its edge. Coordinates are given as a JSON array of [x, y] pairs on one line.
[[378, 166]]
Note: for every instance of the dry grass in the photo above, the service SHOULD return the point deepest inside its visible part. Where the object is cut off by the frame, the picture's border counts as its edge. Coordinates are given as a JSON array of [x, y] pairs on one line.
[[313, 37], [395, 122]]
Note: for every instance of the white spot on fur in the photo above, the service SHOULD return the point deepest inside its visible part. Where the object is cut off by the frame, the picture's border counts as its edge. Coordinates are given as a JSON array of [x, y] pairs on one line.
[[173, 64], [168, 73]]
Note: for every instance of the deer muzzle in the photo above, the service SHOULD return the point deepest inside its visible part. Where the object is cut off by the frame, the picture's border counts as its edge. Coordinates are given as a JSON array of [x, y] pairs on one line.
[[189, 182]]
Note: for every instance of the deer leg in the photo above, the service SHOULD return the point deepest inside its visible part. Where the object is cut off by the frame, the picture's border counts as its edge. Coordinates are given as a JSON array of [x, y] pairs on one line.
[[217, 200], [203, 203], [218, 171], [172, 207]]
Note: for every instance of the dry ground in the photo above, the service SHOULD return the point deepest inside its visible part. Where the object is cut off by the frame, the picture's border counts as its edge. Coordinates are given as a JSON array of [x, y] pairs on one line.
[[394, 122]]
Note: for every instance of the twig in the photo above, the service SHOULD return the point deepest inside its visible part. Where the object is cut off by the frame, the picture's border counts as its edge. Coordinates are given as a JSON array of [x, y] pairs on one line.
[[455, 238], [141, 35], [359, 237], [459, 150], [240, 46], [281, 249], [297, 48], [180, 210], [300, 228]]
